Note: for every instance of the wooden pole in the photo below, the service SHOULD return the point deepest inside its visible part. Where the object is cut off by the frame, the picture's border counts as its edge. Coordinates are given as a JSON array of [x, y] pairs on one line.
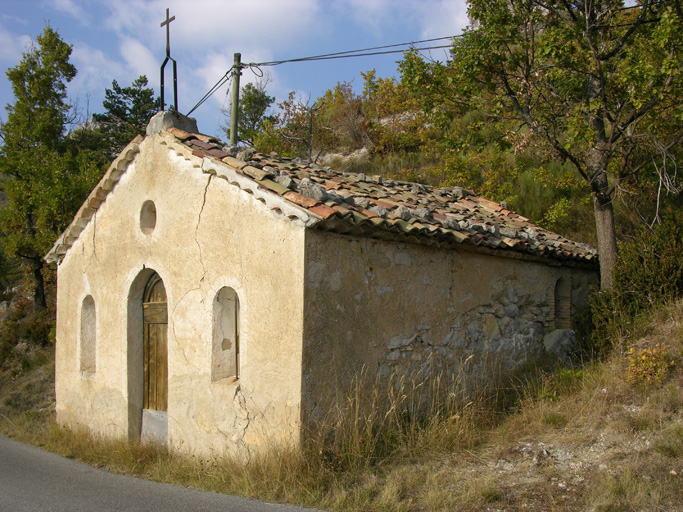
[[234, 108]]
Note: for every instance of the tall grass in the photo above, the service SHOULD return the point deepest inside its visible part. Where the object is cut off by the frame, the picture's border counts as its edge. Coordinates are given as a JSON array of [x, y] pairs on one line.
[[377, 423], [400, 418]]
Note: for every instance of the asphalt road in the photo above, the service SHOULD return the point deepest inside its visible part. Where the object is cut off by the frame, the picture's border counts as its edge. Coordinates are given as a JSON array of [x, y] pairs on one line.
[[33, 480]]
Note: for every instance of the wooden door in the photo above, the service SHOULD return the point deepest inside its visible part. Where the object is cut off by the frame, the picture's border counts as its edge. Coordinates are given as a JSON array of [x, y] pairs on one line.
[[155, 326]]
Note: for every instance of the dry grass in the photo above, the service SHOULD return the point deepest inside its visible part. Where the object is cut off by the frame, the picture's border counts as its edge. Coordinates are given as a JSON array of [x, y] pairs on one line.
[[588, 439]]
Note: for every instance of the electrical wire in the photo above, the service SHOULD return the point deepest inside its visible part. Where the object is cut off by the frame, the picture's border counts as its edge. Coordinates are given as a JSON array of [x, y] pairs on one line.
[[328, 56], [225, 78], [367, 52], [356, 53], [332, 57]]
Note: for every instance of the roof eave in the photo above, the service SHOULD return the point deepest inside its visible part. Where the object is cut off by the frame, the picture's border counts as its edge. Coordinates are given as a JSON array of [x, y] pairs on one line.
[[94, 200]]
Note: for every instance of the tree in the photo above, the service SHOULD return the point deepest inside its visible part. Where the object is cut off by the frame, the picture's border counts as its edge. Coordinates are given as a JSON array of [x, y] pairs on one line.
[[298, 130], [44, 177], [254, 105], [589, 80], [344, 114], [127, 112]]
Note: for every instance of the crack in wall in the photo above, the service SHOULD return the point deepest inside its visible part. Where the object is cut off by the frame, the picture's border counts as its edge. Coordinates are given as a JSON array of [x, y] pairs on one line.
[[196, 229], [94, 231], [246, 418], [94, 246]]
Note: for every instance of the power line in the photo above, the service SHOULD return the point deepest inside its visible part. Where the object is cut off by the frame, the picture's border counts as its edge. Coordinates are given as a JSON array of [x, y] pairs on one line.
[[356, 53], [328, 56], [225, 78], [339, 56]]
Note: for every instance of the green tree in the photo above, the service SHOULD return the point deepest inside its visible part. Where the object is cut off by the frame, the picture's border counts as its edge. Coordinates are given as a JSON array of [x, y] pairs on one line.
[[127, 112], [253, 112], [343, 113], [298, 130], [590, 81], [44, 176]]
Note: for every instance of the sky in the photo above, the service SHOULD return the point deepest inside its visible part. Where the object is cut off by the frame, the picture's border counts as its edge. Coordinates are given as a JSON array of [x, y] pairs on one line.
[[122, 39]]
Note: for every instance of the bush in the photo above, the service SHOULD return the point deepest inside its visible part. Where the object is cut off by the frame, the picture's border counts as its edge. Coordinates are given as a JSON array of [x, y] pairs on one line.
[[648, 365], [23, 325], [650, 269], [648, 273]]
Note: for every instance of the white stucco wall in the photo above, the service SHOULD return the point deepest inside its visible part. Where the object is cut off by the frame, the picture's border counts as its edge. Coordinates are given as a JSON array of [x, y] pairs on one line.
[[208, 234]]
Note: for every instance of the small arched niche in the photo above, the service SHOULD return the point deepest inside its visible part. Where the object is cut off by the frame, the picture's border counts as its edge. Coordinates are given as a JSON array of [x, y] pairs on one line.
[[225, 352], [88, 336], [563, 304], [148, 217]]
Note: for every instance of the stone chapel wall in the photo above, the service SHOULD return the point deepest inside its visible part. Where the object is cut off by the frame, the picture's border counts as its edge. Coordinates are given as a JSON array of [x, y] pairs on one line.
[[383, 308]]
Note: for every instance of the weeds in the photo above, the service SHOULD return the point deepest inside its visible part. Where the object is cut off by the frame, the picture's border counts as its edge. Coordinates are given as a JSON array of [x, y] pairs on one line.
[[649, 365], [399, 419], [670, 441]]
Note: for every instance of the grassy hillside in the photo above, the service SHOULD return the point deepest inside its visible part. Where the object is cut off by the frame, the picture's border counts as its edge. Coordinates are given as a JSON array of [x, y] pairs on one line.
[[606, 437]]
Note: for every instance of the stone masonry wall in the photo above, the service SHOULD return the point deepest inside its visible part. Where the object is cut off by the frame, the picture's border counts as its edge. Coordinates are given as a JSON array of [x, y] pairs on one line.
[[384, 308]]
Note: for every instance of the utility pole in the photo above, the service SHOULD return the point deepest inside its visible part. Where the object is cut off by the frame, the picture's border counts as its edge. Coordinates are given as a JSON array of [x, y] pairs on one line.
[[234, 108]]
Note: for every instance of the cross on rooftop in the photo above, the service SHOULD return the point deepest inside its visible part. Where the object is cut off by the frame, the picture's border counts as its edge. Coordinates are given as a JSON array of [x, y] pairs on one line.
[[167, 23]]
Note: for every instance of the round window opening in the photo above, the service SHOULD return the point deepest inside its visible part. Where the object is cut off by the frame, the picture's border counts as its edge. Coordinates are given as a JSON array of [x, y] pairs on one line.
[[148, 217]]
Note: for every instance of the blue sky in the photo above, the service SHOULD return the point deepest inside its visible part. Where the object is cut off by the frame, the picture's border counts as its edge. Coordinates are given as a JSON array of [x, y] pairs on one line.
[[122, 39]]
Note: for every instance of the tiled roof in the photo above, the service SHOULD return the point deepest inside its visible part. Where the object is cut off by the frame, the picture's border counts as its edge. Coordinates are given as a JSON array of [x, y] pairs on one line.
[[382, 208], [359, 205]]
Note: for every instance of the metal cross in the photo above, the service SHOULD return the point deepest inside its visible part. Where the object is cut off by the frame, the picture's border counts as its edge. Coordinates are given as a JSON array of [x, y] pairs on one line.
[[162, 105], [168, 32]]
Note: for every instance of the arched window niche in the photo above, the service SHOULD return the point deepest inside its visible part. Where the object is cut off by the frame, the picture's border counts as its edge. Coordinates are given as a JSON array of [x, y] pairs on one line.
[[563, 304], [148, 217], [225, 353], [88, 336]]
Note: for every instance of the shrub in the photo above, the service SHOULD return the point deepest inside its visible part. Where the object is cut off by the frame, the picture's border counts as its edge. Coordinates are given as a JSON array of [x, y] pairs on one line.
[[648, 272], [650, 268], [23, 325], [648, 365]]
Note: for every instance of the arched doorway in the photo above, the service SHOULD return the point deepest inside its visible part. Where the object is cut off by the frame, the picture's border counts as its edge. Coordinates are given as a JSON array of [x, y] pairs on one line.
[[155, 360]]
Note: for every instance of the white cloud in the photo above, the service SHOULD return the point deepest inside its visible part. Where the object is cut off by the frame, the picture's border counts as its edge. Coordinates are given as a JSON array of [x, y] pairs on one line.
[[372, 15], [139, 59], [72, 8], [95, 73], [213, 23], [435, 18], [443, 18], [12, 46]]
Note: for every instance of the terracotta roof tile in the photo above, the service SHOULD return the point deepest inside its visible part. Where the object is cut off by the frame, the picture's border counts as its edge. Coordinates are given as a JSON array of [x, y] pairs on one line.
[[301, 200], [218, 153], [323, 211], [385, 208], [275, 187]]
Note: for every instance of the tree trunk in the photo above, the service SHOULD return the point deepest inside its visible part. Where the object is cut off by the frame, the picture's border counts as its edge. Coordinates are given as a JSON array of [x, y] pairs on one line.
[[39, 303], [607, 240], [596, 167]]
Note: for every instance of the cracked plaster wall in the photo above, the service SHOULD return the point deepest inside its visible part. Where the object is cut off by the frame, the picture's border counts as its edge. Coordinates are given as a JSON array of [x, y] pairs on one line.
[[382, 308], [208, 234]]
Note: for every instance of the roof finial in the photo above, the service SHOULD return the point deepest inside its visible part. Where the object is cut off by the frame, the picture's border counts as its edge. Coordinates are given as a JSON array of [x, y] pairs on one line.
[[167, 23]]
